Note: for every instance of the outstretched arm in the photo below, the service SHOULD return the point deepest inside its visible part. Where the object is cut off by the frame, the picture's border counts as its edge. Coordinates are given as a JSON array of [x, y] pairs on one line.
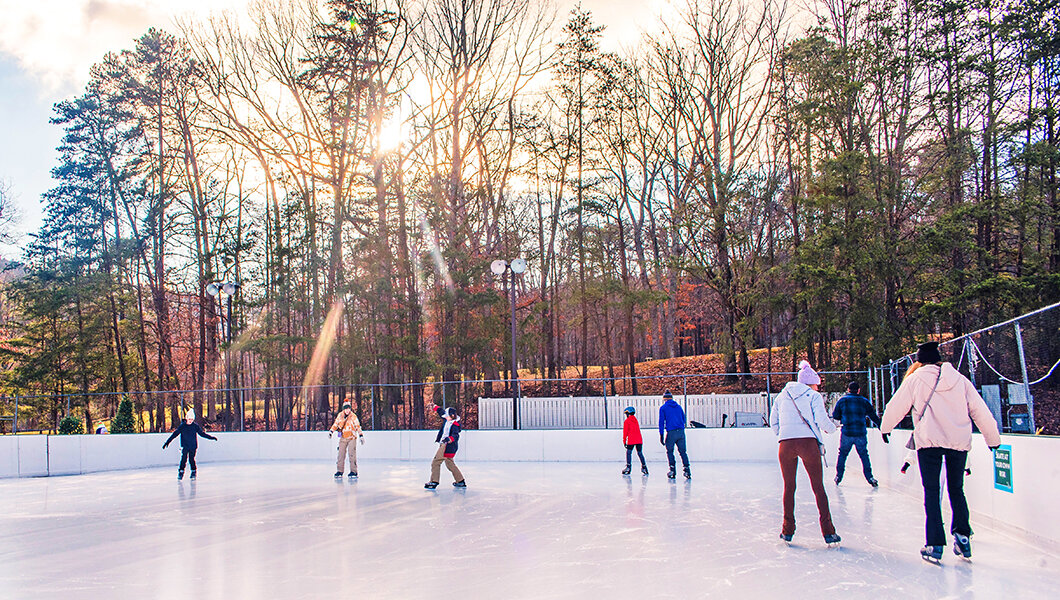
[[898, 407], [199, 430], [175, 433], [871, 412]]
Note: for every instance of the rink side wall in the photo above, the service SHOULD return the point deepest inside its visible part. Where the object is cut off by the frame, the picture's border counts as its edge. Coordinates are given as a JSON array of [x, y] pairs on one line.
[[1029, 510]]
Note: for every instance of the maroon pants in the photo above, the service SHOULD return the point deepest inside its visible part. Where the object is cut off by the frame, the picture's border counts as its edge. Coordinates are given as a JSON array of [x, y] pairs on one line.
[[790, 452]]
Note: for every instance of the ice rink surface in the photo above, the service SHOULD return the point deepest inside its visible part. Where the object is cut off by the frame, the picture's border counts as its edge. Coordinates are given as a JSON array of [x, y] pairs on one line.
[[520, 530]]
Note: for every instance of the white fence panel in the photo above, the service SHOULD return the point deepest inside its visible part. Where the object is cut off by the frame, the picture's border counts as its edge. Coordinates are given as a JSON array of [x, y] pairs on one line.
[[593, 412], [494, 413]]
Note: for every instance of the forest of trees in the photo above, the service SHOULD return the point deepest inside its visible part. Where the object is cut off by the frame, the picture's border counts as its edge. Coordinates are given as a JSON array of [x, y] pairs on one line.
[[747, 176]]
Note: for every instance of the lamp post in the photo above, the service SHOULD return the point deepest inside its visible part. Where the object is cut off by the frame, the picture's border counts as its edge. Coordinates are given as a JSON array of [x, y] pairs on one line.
[[229, 289], [501, 267]]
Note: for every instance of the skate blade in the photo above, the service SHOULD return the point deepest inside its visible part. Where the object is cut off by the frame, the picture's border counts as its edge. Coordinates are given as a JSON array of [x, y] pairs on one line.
[[834, 544], [932, 560]]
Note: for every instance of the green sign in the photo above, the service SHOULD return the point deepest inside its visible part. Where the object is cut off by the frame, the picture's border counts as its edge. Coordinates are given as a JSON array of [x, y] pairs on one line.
[[1003, 468]]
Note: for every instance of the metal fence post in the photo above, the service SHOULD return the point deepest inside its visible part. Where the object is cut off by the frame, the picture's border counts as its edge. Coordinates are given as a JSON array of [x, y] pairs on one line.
[[371, 397], [14, 428], [1026, 381], [872, 390], [604, 380], [971, 360]]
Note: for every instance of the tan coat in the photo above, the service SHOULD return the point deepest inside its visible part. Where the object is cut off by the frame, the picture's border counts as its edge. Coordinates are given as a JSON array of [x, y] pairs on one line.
[[351, 426], [946, 422]]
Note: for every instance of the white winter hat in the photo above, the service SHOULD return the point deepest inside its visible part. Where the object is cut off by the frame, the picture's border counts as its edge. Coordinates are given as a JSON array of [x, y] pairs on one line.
[[190, 415], [807, 375]]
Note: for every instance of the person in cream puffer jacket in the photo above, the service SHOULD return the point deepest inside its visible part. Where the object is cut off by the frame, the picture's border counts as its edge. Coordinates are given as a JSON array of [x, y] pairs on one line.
[[799, 417], [947, 421], [944, 405]]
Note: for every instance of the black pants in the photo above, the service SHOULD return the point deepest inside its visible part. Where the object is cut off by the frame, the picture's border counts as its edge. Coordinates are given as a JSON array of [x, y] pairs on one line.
[[931, 460], [629, 453], [186, 455], [676, 437]]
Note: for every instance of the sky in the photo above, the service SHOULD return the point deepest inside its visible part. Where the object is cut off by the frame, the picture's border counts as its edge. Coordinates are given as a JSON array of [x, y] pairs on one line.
[[48, 46]]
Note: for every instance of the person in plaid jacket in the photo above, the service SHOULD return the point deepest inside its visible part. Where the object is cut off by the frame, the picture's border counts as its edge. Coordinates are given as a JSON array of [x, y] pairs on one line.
[[854, 411]]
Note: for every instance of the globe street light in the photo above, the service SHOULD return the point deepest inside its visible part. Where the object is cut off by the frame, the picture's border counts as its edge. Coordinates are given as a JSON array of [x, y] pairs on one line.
[[229, 289], [501, 268]]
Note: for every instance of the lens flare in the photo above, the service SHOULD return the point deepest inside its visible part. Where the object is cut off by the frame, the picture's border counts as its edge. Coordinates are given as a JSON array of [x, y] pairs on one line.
[[315, 373]]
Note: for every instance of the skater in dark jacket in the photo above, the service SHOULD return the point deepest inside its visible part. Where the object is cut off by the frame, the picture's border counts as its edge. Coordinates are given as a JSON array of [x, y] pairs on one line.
[[447, 440], [188, 431], [852, 411], [632, 440], [672, 433]]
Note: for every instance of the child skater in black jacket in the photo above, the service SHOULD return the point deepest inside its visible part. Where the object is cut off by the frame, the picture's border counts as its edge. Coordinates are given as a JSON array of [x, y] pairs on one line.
[[447, 438], [188, 431]]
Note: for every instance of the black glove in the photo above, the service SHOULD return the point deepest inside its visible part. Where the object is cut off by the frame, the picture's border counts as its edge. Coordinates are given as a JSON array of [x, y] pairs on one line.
[[886, 438], [661, 440], [165, 445]]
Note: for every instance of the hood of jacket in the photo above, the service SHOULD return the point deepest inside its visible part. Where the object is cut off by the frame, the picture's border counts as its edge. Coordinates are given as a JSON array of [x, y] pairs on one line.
[[796, 389]]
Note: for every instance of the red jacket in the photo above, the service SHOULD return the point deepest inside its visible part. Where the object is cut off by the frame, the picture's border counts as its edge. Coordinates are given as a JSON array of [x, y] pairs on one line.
[[631, 431]]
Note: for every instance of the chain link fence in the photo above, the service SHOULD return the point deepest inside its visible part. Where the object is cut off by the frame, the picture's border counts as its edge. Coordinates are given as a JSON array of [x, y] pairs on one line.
[[1014, 364], [394, 406]]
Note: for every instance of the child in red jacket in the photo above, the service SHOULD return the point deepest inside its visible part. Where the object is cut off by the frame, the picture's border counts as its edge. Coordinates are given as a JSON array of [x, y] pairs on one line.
[[631, 438]]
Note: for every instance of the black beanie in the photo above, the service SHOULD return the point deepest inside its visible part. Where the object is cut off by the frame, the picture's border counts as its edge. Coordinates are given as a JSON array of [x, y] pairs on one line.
[[928, 353], [853, 387]]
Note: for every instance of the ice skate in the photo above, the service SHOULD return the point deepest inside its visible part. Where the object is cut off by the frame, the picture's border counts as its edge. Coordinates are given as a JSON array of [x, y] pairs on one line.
[[430, 485], [180, 474], [787, 537], [353, 475], [838, 478], [962, 546], [874, 483], [644, 469], [688, 473], [193, 474], [460, 484], [932, 554], [627, 470], [832, 540], [672, 474]]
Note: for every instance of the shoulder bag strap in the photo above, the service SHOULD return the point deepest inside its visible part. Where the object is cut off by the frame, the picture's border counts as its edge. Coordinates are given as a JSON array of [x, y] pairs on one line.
[[813, 429], [927, 403]]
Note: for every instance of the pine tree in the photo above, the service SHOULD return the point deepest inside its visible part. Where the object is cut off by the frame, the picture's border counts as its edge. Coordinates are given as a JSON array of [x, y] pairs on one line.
[[123, 422]]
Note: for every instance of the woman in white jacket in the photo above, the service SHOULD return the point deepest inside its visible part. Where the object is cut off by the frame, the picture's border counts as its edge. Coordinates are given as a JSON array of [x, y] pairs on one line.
[[944, 405], [798, 418]]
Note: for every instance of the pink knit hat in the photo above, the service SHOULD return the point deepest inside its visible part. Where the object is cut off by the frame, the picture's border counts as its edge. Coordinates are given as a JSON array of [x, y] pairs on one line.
[[807, 375]]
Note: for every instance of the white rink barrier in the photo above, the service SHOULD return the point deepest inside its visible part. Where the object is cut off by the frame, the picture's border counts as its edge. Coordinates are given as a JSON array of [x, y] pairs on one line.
[[1029, 509], [573, 412], [40, 455]]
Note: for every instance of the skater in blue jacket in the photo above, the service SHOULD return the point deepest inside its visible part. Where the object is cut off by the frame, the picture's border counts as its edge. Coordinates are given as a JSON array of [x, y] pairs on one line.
[[672, 433]]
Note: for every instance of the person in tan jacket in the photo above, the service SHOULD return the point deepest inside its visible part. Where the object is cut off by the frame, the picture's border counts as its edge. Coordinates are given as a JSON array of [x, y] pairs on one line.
[[350, 426], [944, 404]]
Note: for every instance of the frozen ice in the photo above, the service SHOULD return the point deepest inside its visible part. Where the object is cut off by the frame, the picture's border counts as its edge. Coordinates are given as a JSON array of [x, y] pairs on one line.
[[520, 530]]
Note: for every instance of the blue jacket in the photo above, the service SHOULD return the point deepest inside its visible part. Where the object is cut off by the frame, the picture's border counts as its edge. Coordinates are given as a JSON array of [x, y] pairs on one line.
[[454, 433], [671, 416], [852, 410]]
